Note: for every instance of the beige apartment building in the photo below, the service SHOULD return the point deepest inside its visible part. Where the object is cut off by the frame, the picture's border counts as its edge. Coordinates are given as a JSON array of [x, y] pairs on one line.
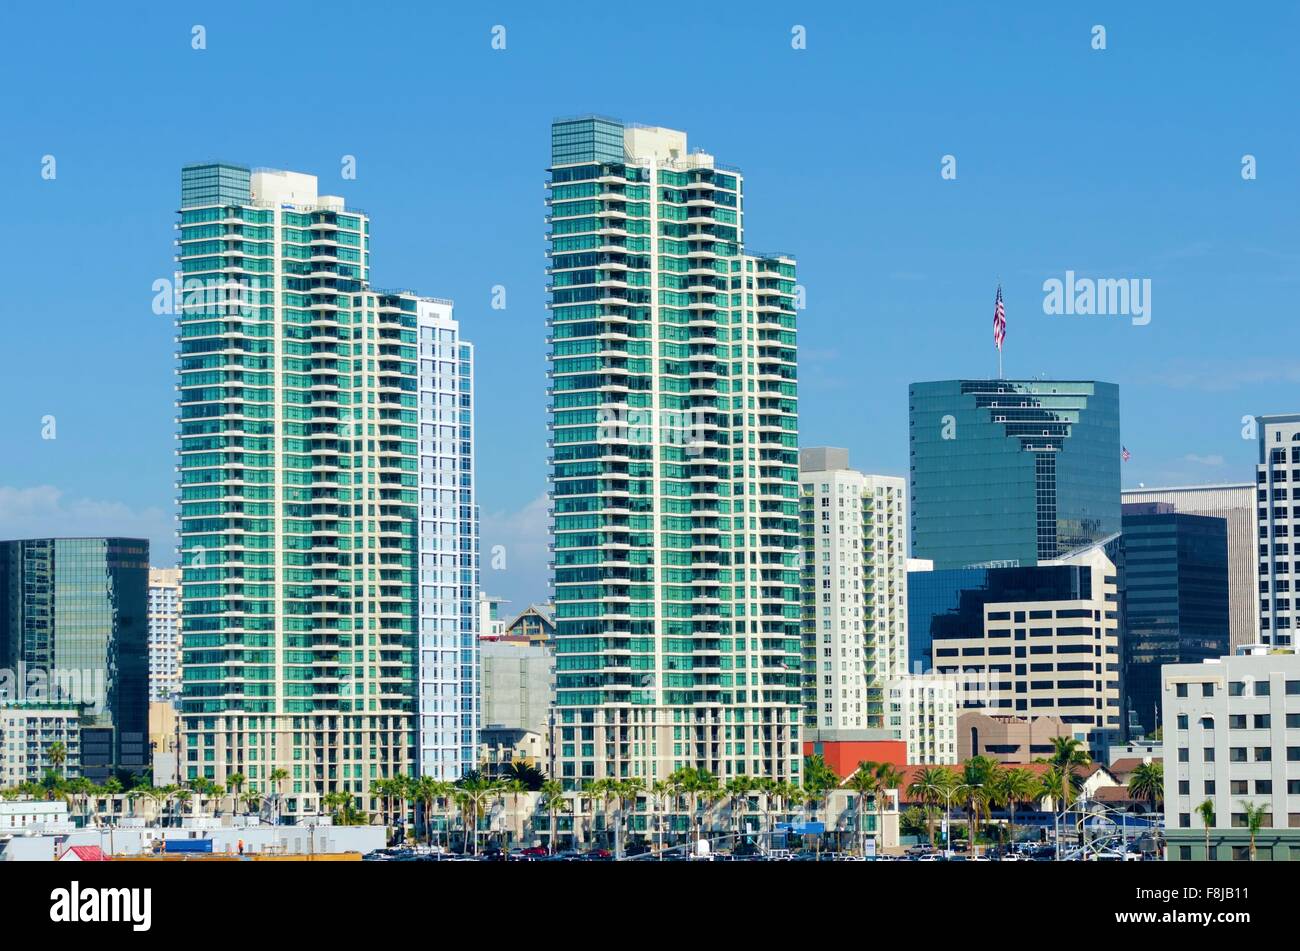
[[1007, 739]]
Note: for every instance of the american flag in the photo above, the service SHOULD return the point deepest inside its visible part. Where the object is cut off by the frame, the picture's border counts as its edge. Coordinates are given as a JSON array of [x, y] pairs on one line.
[[999, 321], [1124, 453]]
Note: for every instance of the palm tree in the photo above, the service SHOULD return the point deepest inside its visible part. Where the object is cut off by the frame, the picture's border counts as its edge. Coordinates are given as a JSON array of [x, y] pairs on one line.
[[1148, 782], [1254, 821], [1068, 754], [887, 778], [553, 801], [473, 790], [525, 772], [426, 790], [1015, 786], [58, 755], [660, 792], [865, 783], [1206, 811], [627, 792], [235, 783], [277, 778], [932, 786], [695, 784], [979, 774], [515, 787], [738, 789]]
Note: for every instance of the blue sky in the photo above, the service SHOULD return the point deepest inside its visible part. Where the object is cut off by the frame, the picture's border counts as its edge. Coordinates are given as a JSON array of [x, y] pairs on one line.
[[1115, 163]]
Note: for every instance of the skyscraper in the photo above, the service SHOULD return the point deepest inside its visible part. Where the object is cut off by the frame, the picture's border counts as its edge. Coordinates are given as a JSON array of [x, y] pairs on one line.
[[300, 458], [164, 634], [73, 632], [449, 548], [1279, 551], [1176, 599], [1235, 504], [1012, 472], [674, 464], [854, 590]]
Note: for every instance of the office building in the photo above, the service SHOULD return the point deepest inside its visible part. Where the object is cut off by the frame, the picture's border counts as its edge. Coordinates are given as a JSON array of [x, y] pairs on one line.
[[164, 635], [74, 631], [309, 524], [1232, 736], [1012, 472], [854, 590], [1175, 599], [449, 548], [922, 709], [1235, 504], [1031, 641], [674, 464], [1279, 551]]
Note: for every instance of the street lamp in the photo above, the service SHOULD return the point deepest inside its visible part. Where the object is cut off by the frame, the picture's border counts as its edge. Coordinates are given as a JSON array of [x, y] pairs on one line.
[[948, 792]]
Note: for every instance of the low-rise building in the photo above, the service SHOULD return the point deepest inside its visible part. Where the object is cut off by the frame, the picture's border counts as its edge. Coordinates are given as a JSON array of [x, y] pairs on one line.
[[1232, 739], [1008, 739], [31, 738]]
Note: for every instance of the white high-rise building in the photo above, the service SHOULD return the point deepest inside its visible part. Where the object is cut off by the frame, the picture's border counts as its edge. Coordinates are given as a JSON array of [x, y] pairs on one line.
[[1279, 550], [449, 548], [922, 710], [854, 590], [164, 634]]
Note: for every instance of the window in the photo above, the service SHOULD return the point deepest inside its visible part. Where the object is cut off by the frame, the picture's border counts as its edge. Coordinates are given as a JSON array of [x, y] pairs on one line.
[[1263, 787], [1182, 754], [1262, 721], [1237, 721], [1180, 690], [1207, 689], [1182, 721], [1184, 787], [1263, 754], [1237, 754]]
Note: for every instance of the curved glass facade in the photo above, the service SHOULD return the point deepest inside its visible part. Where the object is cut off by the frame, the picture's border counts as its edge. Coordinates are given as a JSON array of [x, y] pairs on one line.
[[1012, 472]]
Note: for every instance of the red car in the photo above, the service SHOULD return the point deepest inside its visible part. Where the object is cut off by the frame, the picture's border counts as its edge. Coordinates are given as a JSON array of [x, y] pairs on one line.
[[538, 850]]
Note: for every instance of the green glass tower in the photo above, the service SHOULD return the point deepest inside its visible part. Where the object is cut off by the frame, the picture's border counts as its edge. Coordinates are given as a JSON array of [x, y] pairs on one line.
[[297, 476], [675, 471], [1012, 472]]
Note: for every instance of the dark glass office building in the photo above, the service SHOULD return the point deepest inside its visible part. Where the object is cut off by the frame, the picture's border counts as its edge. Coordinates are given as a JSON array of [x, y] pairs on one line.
[[1176, 599], [74, 626], [1012, 472]]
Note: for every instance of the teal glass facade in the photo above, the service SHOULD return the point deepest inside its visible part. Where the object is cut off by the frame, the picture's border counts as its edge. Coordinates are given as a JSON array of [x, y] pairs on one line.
[[75, 610], [1012, 472], [674, 479], [298, 474]]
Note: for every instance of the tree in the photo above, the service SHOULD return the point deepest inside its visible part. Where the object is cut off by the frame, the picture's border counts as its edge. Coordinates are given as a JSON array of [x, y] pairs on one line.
[[554, 802], [472, 792], [235, 783], [1148, 782], [426, 790], [865, 784], [277, 778], [933, 787], [979, 776], [660, 792], [1015, 786], [818, 777], [58, 755], [524, 772], [1255, 816], [695, 784], [1068, 754], [738, 789], [1206, 812]]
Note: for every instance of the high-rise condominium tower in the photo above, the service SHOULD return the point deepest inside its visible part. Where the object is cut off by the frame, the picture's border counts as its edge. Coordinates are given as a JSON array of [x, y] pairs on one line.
[[1012, 472], [854, 590], [674, 465], [449, 550], [306, 421], [164, 634]]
